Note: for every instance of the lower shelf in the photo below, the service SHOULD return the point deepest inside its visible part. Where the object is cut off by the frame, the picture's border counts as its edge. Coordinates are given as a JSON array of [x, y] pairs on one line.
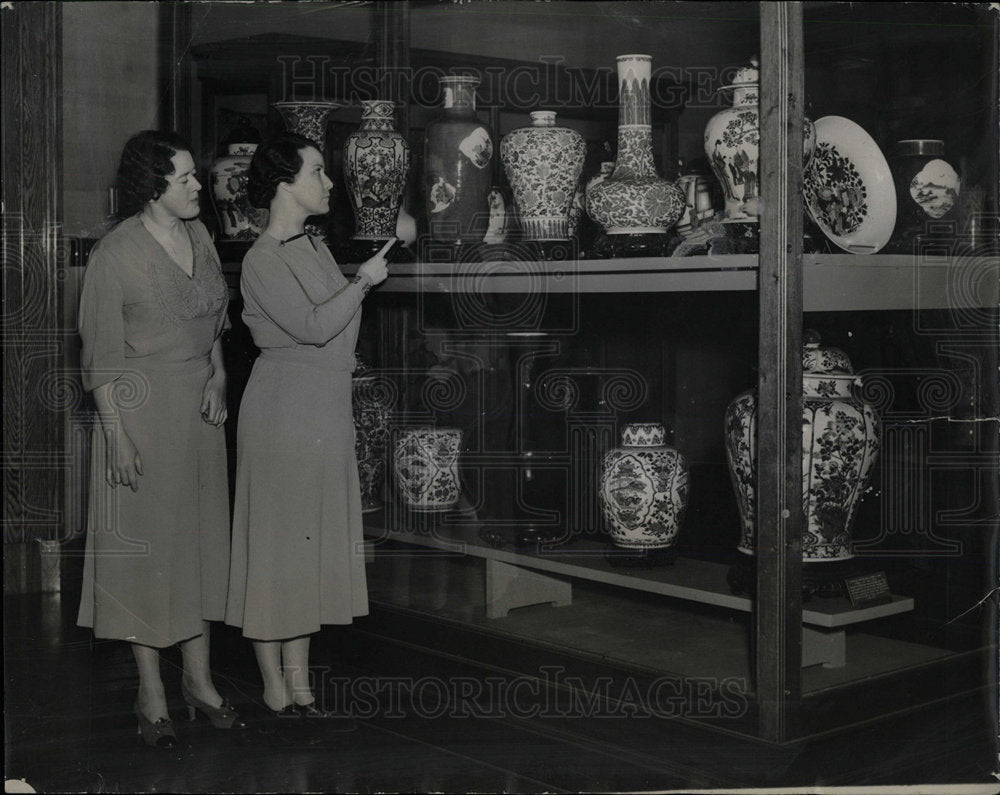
[[516, 579], [437, 600]]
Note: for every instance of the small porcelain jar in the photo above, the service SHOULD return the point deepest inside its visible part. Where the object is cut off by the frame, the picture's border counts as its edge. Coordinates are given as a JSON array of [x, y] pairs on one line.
[[425, 463], [927, 188], [644, 489]]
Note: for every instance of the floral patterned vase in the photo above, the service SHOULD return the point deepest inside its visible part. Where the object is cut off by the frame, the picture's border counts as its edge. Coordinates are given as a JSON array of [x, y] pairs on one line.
[[372, 413], [732, 145], [644, 489], [238, 220], [376, 164], [425, 463], [840, 440], [458, 153], [634, 200], [543, 164], [308, 119]]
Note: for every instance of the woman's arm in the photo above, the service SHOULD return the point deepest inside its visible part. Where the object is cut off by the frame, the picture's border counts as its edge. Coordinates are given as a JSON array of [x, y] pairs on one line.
[[277, 292], [213, 398], [122, 462]]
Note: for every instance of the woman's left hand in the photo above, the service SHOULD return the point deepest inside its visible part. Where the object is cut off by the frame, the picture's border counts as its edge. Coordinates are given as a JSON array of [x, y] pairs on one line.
[[213, 401]]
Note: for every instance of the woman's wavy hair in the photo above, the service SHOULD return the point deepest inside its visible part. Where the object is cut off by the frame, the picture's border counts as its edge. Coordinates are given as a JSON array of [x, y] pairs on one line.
[[144, 166], [277, 160]]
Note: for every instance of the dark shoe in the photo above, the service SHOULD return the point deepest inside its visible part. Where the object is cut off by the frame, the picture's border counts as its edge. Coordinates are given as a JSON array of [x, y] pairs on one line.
[[156, 735], [221, 717], [334, 722]]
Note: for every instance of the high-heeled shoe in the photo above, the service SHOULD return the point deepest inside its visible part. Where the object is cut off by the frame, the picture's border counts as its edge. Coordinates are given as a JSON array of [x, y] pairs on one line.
[[156, 735], [221, 717]]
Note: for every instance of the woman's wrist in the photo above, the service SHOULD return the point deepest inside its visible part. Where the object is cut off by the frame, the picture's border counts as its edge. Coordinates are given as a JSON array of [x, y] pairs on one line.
[[363, 280]]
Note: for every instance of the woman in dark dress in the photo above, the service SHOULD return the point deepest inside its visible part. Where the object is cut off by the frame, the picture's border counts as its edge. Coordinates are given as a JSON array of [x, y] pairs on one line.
[[297, 559], [152, 312]]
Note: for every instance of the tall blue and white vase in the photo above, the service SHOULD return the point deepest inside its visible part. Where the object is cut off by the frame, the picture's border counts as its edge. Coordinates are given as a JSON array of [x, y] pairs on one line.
[[840, 442]]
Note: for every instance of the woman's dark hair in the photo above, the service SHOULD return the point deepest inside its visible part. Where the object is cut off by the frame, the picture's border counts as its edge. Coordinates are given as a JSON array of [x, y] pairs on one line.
[[143, 170], [277, 160]]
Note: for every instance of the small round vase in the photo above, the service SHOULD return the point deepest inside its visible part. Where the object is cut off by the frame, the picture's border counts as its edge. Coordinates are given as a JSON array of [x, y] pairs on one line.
[[425, 463], [840, 441], [634, 200], [238, 220], [458, 154], [372, 413], [543, 164], [644, 489], [927, 188], [732, 145], [376, 165]]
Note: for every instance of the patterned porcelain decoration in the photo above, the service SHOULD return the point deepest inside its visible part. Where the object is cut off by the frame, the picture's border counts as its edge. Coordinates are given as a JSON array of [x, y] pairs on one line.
[[425, 463], [633, 199], [606, 168], [848, 187], [577, 208], [308, 119], [458, 153], [840, 440], [228, 175], [935, 188], [543, 164], [372, 413], [732, 145], [644, 489], [376, 164]]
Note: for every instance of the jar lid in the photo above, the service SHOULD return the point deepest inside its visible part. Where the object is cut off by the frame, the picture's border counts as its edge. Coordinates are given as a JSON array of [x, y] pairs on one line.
[[543, 118], [644, 434], [747, 75], [243, 133], [920, 146], [823, 360]]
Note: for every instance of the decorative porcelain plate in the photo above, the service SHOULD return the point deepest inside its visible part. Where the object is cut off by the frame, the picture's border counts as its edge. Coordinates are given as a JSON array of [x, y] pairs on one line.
[[848, 187]]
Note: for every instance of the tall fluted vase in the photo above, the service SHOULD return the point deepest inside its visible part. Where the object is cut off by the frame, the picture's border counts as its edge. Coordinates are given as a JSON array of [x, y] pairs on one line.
[[458, 153], [309, 119], [634, 200], [376, 165]]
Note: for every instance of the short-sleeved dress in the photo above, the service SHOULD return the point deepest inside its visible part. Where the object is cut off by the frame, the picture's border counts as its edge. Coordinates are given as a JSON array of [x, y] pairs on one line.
[[157, 559], [297, 555]]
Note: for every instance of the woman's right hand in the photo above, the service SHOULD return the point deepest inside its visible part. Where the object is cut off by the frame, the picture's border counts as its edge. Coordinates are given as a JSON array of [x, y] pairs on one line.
[[123, 465], [375, 268]]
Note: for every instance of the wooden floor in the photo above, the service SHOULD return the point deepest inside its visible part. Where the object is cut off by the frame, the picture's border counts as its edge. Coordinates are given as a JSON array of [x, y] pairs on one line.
[[441, 707]]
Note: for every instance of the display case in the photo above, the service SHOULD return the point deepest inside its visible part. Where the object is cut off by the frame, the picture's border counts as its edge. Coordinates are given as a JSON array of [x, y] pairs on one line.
[[505, 373]]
